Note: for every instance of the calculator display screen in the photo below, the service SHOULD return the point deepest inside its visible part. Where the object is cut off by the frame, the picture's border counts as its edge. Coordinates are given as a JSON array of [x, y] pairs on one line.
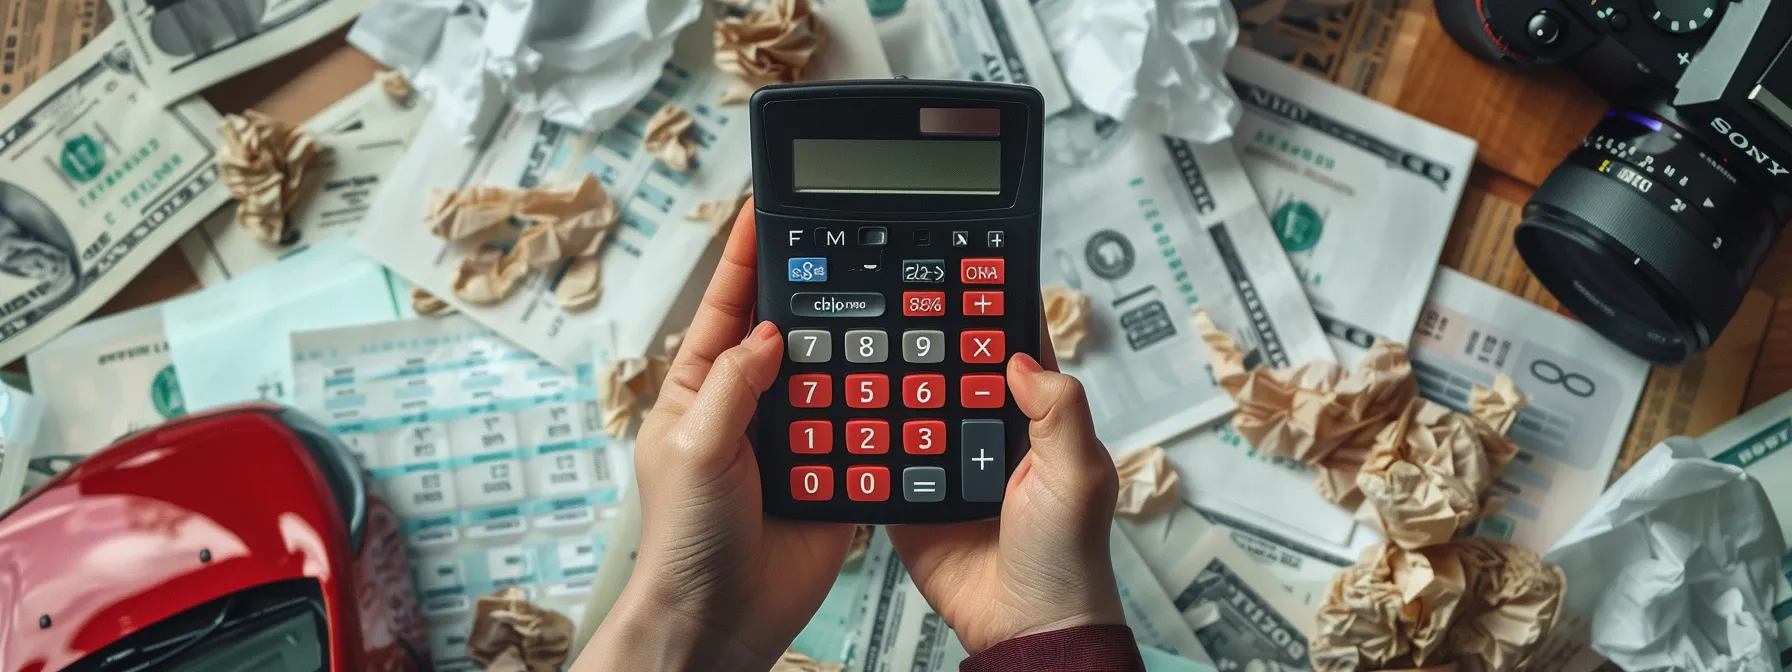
[[863, 166]]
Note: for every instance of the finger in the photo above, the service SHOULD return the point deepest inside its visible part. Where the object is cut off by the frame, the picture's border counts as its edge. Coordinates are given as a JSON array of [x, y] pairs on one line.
[[1062, 430], [726, 309], [945, 549], [729, 395]]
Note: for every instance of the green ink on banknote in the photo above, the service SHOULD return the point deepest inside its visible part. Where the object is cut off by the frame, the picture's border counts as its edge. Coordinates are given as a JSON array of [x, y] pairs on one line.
[[83, 158], [164, 394], [1299, 226]]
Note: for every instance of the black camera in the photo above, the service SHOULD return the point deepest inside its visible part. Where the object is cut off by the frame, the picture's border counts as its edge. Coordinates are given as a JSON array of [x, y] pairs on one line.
[[1652, 230]]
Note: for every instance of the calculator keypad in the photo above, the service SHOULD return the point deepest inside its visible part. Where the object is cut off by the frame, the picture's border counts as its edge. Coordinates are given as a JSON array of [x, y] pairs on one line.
[[949, 286]]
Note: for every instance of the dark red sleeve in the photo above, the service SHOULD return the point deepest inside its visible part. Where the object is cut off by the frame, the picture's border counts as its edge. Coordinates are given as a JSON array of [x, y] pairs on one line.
[[1086, 648]]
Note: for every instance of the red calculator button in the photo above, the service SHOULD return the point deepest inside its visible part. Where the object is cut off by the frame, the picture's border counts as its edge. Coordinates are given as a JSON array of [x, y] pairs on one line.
[[868, 483], [983, 271], [923, 304], [811, 390], [982, 346], [983, 390], [867, 390], [924, 390], [811, 437], [924, 437], [813, 483], [987, 304], [867, 437]]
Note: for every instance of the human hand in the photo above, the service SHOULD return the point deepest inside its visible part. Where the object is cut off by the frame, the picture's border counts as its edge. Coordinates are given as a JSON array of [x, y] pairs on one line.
[[1044, 564], [718, 585]]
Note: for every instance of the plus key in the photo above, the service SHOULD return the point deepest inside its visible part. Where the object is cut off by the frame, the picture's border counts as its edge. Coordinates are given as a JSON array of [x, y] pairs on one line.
[[983, 304]]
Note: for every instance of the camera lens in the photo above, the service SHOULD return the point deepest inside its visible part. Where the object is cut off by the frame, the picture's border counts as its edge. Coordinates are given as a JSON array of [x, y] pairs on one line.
[[1647, 236]]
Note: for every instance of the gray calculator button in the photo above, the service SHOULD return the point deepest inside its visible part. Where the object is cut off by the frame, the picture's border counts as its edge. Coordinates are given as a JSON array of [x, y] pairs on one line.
[[924, 484], [867, 346], [809, 346], [837, 304], [922, 346], [984, 449]]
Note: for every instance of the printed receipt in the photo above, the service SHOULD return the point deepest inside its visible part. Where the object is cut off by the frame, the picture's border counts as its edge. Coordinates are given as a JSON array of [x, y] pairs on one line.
[[493, 459]]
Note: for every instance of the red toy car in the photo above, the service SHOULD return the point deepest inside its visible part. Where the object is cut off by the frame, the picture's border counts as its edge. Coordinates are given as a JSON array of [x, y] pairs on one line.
[[244, 539]]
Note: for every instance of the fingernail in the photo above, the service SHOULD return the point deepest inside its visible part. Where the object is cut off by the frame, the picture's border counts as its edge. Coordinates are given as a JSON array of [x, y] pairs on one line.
[[1025, 363], [765, 331]]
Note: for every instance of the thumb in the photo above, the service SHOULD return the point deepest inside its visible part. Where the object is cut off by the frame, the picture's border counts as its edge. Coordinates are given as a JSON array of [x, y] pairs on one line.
[[1064, 448], [729, 395]]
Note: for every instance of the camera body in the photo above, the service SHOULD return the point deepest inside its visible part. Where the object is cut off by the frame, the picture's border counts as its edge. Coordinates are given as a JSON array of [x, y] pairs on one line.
[[1652, 230]]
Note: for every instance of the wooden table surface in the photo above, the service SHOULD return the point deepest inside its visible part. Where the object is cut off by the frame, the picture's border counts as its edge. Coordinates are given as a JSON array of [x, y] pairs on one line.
[[1525, 123]]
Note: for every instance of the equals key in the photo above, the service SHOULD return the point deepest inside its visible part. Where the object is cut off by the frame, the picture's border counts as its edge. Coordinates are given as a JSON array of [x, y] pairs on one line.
[[924, 484]]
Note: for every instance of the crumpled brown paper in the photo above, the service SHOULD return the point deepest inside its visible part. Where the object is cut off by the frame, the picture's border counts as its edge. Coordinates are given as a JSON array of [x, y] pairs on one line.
[[861, 540], [1149, 486], [625, 385], [429, 305], [668, 137], [487, 275], [457, 215], [1424, 478], [1477, 604], [792, 661], [717, 214], [1066, 319], [264, 164], [767, 46], [564, 222], [1318, 413], [567, 222], [579, 285], [395, 86], [511, 635]]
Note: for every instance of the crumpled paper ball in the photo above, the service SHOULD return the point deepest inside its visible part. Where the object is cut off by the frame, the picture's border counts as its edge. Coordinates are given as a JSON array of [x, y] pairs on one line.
[[768, 46], [1477, 604], [264, 164]]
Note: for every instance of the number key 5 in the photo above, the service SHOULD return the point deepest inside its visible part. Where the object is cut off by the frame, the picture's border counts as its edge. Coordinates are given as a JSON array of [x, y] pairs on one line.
[[867, 390]]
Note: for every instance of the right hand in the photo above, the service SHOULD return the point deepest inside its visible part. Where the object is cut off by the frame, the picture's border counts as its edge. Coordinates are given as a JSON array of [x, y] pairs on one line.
[[1044, 565]]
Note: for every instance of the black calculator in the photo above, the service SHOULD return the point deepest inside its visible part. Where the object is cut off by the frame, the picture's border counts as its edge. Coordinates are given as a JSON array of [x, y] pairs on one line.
[[899, 227]]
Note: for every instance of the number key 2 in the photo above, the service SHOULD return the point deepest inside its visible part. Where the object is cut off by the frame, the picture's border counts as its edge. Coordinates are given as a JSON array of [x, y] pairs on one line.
[[867, 437]]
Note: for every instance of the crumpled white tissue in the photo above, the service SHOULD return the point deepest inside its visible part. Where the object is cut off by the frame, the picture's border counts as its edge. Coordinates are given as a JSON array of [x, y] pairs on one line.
[[1156, 64], [1675, 566], [578, 63]]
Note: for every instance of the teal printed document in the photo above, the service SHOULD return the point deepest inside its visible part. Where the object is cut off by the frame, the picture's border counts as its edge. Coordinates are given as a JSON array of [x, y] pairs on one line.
[[230, 342], [492, 458]]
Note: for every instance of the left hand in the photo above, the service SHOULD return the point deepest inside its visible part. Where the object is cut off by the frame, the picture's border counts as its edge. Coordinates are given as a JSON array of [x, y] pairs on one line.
[[718, 585]]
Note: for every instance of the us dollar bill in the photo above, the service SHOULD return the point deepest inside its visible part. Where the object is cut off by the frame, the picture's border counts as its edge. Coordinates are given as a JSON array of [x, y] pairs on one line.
[[1303, 569], [184, 47], [1361, 195], [97, 382], [975, 40], [1151, 228], [1363, 45], [1242, 614], [1760, 442], [95, 182], [897, 630]]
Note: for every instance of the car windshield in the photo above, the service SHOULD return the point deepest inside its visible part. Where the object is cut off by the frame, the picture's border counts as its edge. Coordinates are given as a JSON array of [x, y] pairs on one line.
[[273, 627], [286, 642]]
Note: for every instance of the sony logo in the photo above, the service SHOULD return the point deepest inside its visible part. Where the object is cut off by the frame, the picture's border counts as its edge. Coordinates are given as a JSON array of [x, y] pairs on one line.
[[1743, 143]]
